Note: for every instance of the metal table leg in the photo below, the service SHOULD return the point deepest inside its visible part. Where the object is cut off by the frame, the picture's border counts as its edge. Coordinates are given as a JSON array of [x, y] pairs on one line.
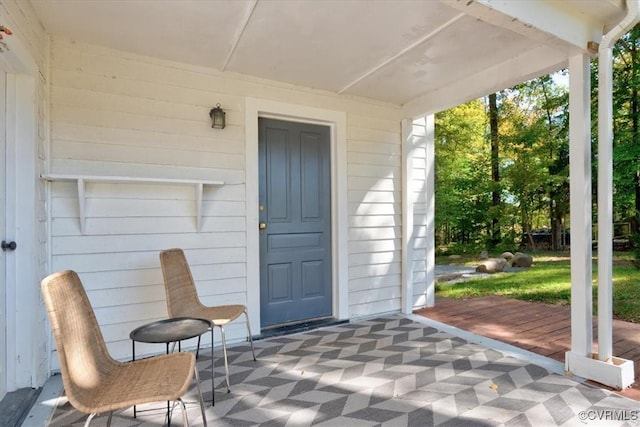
[[213, 377], [133, 353]]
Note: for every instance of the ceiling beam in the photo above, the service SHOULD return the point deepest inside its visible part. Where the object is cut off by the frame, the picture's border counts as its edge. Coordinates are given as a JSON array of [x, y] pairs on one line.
[[531, 64], [251, 6], [553, 23], [404, 51]]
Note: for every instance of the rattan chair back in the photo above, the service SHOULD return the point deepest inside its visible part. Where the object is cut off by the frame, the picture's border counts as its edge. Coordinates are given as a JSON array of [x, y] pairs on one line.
[[180, 288], [82, 352]]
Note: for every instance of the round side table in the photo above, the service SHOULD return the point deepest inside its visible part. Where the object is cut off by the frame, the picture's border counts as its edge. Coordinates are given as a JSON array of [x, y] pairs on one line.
[[169, 331]]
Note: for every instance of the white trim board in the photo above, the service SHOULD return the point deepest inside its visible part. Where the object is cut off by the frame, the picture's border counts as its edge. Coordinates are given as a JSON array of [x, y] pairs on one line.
[[337, 121], [22, 290]]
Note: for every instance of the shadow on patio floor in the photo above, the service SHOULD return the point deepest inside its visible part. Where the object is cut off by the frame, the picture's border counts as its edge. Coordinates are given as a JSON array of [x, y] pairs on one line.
[[540, 328], [388, 371]]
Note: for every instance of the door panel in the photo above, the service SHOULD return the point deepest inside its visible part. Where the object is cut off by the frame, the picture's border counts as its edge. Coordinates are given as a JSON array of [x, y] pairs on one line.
[[295, 207], [278, 191], [312, 279], [311, 170], [281, 289]]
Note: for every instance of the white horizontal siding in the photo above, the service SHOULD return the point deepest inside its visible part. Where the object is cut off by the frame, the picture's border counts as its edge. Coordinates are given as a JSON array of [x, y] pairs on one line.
[[374, 258], [125, 153], [372, 183], [374, 156], [374, 233], [373, 135], [374, 270], [373, 221], [145, 225], [145, 242], [97, 167], [118, 208], [141, 139], [116, 113]]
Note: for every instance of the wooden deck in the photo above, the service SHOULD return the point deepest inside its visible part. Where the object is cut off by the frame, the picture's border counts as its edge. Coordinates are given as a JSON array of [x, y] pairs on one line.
[[540, 328]]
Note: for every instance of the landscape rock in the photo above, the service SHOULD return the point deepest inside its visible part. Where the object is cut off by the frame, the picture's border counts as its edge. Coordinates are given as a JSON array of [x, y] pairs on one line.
[[483, 255], [507, 255], [521, 260], [455, 257], [492, 265]]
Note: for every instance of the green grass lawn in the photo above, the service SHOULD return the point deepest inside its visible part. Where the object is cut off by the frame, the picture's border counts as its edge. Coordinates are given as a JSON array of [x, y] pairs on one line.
[[549, 281]]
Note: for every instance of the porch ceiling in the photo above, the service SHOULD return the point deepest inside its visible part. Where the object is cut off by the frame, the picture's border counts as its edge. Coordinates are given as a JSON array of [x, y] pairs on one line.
[[403, 52]]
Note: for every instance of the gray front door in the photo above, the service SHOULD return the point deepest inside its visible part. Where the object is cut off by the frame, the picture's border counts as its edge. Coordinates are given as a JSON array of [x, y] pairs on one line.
[[295, 222]]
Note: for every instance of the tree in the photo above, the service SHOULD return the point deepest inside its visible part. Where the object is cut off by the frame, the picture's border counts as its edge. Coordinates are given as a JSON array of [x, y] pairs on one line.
[[502, 168], [535, 130], [626, 144], [495, 170], [461, 169]]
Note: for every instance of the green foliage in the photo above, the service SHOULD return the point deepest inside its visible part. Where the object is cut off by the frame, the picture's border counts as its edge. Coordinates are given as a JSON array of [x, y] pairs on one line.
[[533, 165], [533, 142], [549, 281], [468, 251], [626, 110], [462, 167], [535, 135]]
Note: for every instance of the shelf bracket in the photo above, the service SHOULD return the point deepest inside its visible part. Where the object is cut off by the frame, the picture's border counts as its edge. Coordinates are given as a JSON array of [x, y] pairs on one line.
[[81, 206], [199, 187]]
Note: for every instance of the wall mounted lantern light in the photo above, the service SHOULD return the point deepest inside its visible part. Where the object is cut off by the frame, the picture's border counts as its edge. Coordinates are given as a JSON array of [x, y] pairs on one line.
[[217, 117]]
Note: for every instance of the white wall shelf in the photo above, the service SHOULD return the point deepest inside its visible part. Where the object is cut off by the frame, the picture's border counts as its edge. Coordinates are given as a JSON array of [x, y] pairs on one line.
[[82, 180]]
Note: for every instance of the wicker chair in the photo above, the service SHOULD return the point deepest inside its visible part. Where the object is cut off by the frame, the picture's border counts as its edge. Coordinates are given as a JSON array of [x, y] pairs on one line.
[[182, 300], [93, 381]]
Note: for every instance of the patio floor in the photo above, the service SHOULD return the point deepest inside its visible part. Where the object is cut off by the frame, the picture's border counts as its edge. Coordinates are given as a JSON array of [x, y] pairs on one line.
[[540, 328], [388, 371]]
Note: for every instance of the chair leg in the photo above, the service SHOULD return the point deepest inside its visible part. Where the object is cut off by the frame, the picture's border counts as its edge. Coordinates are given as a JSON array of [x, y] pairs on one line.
[[185, 420], [224, 352], [198, 349], [86, 423], [213, 371], [109, 419], [197, 378], [253, 353]]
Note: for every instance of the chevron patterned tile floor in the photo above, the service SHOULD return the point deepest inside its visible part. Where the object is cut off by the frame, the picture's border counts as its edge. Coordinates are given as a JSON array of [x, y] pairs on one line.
[[389, 371]]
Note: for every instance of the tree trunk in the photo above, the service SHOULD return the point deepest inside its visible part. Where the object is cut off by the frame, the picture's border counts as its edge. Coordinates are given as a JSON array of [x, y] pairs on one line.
[[495, 170], [554, 220]]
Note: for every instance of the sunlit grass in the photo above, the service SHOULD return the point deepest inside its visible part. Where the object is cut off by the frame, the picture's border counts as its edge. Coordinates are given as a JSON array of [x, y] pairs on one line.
[[549, 281]]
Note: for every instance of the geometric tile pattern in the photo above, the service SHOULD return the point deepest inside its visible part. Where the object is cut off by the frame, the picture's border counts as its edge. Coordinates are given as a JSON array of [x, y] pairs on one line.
[[384, 372]]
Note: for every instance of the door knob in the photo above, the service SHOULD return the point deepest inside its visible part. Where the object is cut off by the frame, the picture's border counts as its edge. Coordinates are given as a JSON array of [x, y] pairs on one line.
[[262, 225], [9, 245]]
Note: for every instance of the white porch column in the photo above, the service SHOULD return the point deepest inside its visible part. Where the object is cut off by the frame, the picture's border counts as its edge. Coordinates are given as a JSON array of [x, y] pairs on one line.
[[605, 179], [613, 371], [580, 195], [605, 206], [418, 234], [430, 194], [408, 136]]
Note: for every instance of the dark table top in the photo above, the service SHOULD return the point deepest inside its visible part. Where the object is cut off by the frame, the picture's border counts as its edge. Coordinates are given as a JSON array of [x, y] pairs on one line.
[[170, 330]]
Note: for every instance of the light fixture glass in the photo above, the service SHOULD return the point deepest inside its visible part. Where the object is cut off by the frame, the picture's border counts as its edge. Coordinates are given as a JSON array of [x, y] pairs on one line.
[[217, 115]]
